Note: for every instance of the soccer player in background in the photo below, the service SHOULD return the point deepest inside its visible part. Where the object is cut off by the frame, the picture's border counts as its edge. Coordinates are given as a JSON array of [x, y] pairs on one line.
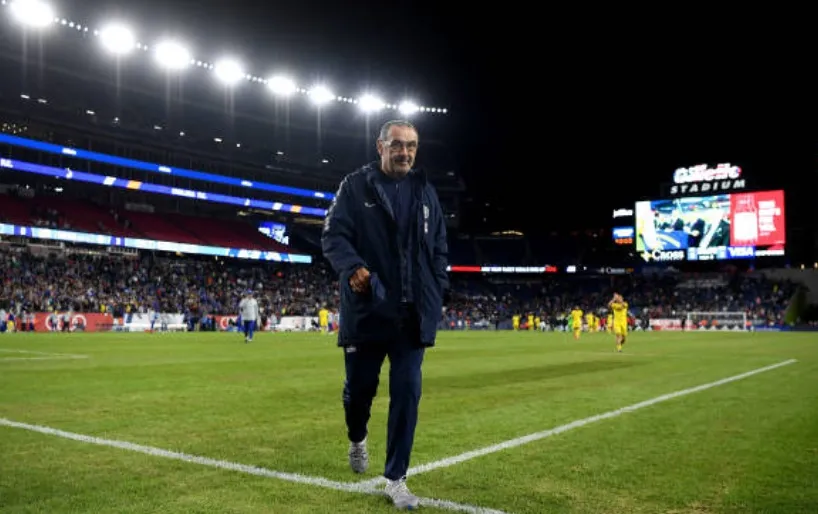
[[576, 321], [29, 321], [153, 316], [323, 320], [619, 307], [10, 322], [515, 322], [53, 322], [249, 312]]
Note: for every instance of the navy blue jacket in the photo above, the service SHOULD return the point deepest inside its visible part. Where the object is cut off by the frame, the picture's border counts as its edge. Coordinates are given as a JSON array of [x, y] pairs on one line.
[[360, 231]]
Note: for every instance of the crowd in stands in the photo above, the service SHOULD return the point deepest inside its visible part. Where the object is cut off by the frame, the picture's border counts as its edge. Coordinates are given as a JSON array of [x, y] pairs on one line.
[[120, 285], [494, 301], [203, 287]]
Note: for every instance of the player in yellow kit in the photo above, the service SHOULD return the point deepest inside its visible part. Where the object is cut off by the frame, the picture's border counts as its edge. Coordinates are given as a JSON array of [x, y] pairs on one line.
[[576, 321], [609, 324], [323, 320], [619, 307], [515, 322]]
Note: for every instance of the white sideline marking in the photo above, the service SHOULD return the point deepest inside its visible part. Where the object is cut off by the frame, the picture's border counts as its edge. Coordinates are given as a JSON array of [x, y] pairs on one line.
[[512, 443], [48, 354], [54, 358], [350, 487]]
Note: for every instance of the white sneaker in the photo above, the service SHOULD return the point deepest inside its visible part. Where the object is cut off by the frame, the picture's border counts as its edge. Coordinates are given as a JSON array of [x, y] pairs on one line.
[[401, 496], [358, 457]]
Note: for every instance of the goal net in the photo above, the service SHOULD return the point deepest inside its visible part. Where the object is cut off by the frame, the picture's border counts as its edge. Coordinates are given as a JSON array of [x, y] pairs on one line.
[[716, 321]]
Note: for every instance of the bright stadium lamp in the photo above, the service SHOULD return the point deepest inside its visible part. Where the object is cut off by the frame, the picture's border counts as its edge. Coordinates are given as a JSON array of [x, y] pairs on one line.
[[229, 71], [171, 55], [280, 85], [371, 103], [32, 13], [117, 39], [408, 107], [321, 95]]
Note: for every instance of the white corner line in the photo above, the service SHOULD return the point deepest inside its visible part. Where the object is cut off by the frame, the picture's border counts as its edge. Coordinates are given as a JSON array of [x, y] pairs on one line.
[[513, 443], [350, 487]]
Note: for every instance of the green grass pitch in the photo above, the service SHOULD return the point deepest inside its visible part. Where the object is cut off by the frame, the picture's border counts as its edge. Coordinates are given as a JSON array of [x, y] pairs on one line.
[[747, 446]]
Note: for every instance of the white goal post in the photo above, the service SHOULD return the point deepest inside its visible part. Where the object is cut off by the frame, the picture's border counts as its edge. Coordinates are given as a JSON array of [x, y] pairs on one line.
[[718, 320]]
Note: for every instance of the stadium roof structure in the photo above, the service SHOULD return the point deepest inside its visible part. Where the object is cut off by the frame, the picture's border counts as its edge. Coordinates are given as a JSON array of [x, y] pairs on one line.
[[172, 55]]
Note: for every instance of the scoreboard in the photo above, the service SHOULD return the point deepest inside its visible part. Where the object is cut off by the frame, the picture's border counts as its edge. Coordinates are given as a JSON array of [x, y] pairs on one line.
[[623, 229], [716, 227], [722, 222]]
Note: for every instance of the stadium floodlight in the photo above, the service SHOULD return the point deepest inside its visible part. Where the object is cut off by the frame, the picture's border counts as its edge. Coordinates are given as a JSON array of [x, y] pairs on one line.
[[32, 13], [371, 103], [117, 39], [321, 95], [282, 85], [407, 107], [229, 71], [172, 55]]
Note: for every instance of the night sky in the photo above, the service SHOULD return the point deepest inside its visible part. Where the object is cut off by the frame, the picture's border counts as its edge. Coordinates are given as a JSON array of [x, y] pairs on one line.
[[555, 118]]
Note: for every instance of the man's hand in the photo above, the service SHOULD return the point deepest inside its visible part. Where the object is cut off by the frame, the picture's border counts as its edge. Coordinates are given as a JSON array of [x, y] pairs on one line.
[[359, 281]]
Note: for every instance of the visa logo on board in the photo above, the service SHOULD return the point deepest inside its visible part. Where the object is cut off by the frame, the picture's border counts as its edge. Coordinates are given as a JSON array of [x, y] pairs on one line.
[[741, 252]]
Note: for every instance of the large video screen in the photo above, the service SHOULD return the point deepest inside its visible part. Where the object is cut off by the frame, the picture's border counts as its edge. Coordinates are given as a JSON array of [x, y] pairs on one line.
[[716, 227], [623, 235], [273, 230]]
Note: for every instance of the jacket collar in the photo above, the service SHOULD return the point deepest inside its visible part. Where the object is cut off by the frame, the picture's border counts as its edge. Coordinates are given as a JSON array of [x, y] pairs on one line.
[[374, 168]]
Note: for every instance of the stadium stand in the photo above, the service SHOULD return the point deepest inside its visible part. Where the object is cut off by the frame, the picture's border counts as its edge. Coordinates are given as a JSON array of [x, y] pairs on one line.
[[462, 250], [492, 301], [81, 216], [289, 158], [74, 105], [507, 250], [83, 282]]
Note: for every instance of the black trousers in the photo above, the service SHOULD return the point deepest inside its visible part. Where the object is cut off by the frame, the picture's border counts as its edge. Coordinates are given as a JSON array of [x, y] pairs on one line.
[[363, 367]]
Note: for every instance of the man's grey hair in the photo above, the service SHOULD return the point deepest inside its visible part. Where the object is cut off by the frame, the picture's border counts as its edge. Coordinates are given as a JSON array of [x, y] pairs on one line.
[[394, 123]]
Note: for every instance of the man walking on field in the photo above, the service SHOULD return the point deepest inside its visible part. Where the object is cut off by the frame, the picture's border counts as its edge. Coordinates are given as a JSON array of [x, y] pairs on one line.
[[385, 236]]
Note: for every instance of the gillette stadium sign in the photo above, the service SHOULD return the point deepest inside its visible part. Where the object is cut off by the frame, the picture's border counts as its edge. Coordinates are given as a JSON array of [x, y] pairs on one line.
[[703, 179]]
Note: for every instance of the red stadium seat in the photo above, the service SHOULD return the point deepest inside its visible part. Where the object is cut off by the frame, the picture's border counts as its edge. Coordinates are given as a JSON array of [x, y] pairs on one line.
[[80, 216]]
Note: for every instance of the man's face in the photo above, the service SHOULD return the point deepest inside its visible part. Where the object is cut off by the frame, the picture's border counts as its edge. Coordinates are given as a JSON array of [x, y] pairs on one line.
[[398, 150]]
